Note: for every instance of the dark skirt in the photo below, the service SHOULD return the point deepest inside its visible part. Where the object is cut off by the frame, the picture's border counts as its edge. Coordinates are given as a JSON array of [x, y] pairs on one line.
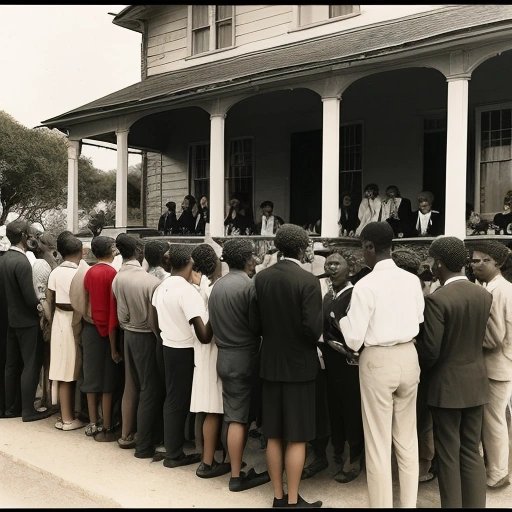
[[101, 374], [289, 410]]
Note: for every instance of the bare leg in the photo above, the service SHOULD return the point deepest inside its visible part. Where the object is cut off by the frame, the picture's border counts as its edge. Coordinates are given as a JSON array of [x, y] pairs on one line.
[[294, 458], [92, 405], [106, 405], [66, 399], [236, 443], [211, 426], [275, 465]]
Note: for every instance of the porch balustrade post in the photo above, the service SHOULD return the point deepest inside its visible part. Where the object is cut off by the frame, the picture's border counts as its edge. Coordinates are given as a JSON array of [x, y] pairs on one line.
[[456, 156], [330, 166], [122, 179], [217, 174], [72, 205]]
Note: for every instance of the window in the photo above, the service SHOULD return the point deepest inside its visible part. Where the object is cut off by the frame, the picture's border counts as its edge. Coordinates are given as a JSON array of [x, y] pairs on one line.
[[313, 14], [199, 169], [495, 157], [240, 172], [351, 160], [211, 27]]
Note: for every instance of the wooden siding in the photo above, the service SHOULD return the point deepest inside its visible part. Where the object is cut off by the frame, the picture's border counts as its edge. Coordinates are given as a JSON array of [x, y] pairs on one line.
[[167, 180], [167, 31], [167, 37]]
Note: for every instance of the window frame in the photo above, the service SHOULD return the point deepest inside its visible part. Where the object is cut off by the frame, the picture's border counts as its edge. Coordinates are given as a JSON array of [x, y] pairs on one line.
[[296, 25], [212, 23], [478, 146], [361, 123], [191, 171], [228, 166]]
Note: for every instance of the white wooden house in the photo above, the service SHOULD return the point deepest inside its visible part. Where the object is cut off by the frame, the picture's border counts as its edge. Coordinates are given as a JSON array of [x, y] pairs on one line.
[[294, 103]]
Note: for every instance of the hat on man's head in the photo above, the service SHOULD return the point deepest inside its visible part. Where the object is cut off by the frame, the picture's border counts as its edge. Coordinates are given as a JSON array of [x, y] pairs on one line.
[[496, 250], [450, 250]]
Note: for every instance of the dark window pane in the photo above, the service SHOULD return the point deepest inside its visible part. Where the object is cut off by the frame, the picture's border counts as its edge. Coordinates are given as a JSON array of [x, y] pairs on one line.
[[201, 41], [340, 10], [224, 34], [223, 11], [495, 120], [505, 118], [485, 120]]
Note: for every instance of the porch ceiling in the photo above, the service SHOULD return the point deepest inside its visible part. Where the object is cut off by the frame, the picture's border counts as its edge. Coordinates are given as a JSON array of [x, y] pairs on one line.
[[365, 42]]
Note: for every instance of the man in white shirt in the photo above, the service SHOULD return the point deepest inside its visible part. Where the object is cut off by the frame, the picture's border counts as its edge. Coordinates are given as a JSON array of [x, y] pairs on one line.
[[487, 259], [385, 314]]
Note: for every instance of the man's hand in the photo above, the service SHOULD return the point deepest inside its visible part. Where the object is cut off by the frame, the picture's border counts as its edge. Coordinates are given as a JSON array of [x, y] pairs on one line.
[[116, 357]]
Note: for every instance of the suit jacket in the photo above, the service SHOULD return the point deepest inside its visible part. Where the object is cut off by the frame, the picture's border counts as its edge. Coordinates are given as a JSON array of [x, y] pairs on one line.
[[450, 346], [19, 288], [435, 224], [186, 223], [348, 218], [403, 223], [290, 307], [167, 223]]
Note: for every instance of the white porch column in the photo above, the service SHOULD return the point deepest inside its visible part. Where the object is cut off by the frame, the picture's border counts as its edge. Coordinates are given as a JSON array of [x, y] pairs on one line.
[[122, 179], [217, 174], [330, 166], [72, 206], [456, 156]]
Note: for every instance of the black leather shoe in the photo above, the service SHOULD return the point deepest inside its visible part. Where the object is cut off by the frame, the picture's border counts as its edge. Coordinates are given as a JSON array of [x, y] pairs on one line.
[[315, 467], [213, 470], [149, 454], [36, 415], [182, 460], [302, 503], [280, 502], [248, 481]]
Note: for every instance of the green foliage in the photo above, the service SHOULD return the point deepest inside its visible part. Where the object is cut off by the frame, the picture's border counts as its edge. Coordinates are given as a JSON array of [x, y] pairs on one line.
[[33, 169]]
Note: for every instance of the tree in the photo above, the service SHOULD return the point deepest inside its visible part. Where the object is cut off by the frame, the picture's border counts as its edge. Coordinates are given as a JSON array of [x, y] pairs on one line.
[[33, 169]]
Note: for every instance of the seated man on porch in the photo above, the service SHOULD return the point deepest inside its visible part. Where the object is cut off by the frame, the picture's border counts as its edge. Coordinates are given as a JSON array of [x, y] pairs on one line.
[[425, 221], [269, 223], [236, 223]]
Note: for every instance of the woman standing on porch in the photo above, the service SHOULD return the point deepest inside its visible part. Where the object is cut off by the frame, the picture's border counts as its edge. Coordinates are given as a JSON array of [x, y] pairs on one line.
[[369, 208]]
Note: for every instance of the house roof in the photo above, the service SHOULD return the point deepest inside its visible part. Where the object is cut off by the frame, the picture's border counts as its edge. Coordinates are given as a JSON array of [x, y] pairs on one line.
[[355, 44]]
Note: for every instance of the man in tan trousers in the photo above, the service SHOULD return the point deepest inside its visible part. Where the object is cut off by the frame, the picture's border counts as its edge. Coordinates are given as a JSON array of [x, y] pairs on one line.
[[487, 259], [385, 314]]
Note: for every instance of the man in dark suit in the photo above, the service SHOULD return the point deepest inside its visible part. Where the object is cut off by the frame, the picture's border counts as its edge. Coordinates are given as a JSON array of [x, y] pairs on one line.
[[290, 307], [168, 223], [451, 353], [24, 338], [425, 221]]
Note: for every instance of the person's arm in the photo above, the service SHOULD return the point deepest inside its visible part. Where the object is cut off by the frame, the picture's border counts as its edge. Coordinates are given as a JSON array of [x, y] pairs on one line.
[[50, 299], [495, 330], [203, 332], [312, 310], [429, 344], [253, 314], [113, 324], [355, 324]]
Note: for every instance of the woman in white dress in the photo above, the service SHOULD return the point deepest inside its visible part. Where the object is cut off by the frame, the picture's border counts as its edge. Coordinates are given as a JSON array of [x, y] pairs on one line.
[[65, 358], [369, 208], [206, 385]]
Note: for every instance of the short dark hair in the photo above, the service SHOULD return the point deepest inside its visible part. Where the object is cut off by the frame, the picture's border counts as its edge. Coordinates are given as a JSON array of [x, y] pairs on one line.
[[236, 252], [15, 229], [372, 186], [395, 188], [205, 259], [407, 259], [496, 250], [177, 257], [62, 235], [267, 203], [191, 200], [154, 252], [127, 245], [450, 250], [68, 245], [380, 234], [425, 195], [102, 245], [171, 204], [291, 240]]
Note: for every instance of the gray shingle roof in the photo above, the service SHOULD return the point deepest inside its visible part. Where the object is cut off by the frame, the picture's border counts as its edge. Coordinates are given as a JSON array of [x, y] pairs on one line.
[[340, 47]]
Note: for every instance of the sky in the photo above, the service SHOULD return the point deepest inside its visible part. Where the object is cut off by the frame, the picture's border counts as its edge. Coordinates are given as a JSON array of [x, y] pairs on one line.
[[55, 58]]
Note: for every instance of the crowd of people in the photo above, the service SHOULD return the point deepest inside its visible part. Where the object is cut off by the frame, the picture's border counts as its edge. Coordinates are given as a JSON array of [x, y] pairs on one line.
[[393, 208], [378, 361]]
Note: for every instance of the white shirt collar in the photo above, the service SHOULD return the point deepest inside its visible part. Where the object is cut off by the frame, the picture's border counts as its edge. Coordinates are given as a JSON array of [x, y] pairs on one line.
[[384, 264], [493, 282], [15, 248], [294, 260], [349, 285], [456, 278]]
